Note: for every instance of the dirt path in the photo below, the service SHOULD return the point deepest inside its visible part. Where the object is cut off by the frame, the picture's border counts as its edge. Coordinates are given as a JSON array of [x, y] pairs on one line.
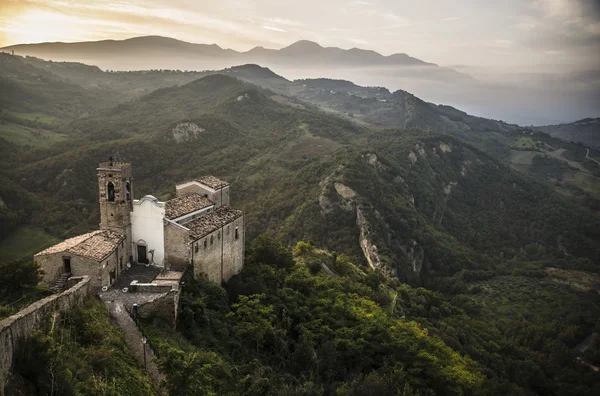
[[587, 155], [133, 338]]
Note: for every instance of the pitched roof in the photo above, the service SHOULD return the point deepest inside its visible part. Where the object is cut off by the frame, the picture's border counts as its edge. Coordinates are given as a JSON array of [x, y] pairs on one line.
[[95, 245], [212, 182], [204, 225], [183, 205]]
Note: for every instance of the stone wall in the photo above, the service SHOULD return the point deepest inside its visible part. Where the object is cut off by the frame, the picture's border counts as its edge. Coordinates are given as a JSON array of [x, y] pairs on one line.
[[177, 249], [164, 305], [223, 255], [99, 272], [21, 325], [207, 256], [233, 249]]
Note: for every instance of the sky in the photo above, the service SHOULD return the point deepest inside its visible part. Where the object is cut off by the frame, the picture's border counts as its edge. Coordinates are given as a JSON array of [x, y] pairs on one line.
[[501, 36]]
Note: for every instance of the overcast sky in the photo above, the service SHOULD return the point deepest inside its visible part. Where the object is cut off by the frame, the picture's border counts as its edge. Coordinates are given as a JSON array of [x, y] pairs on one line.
[[515, 35]]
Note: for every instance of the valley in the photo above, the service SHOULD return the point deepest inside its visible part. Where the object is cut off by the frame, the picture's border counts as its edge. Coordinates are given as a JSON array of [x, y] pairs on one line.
[[393, 243]]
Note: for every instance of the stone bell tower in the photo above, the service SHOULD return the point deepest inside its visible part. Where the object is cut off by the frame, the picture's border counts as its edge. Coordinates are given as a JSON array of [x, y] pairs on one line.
[[116, 197]]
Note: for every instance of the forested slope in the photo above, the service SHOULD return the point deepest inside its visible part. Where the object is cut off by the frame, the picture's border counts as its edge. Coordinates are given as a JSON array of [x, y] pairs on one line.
[[409, 207]]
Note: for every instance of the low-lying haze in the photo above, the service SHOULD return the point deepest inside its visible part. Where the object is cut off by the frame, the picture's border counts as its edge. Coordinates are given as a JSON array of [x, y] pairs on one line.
[[533, 62]]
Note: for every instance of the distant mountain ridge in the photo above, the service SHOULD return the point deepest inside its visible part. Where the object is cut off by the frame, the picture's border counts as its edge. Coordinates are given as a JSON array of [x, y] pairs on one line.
[[157, 52]]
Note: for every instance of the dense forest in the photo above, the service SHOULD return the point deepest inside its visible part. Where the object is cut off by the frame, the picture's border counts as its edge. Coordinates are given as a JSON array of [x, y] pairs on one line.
[[445, 255]]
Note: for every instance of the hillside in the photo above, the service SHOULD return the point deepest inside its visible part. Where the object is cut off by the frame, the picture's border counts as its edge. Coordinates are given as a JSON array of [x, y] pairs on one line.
[[585, 131], [410, 207]]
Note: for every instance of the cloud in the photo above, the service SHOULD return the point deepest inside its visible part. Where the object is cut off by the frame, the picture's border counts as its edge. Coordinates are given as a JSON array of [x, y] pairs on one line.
[[274, 28], [282, 21], [569, 26]]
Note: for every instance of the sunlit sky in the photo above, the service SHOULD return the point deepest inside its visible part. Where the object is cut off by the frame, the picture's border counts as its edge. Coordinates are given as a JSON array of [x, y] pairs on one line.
[[507, 33]]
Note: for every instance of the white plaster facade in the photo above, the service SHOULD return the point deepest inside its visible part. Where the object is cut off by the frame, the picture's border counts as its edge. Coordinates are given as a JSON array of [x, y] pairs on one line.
[[147, 229]]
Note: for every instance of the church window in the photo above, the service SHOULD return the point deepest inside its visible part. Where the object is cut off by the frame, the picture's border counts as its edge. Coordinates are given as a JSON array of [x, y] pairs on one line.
[[205, 244], [237, 235], [196, 248], [110, 187], [219, 235], [211, 239]]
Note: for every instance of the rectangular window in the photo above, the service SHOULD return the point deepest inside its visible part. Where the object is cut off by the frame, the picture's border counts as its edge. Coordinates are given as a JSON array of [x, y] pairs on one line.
[[211, 239], [219, 235], [205, 244], [196, 248], [237, 235], [227, 230]]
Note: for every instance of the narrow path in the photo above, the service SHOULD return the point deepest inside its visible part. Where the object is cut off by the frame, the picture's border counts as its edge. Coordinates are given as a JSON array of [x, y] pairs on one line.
[[587, 155], [133, 338]]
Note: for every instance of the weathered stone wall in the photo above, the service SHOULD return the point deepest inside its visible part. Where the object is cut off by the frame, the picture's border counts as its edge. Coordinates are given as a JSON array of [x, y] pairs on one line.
[[177, 249], [208, 260], [224, 256], [116, 215], [22, 324], [99, 273], [149, 288], [164, 306], [233, 249]]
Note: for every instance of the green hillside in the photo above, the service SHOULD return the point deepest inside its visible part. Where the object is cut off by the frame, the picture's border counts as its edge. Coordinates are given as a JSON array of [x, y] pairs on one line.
[[453, 285]]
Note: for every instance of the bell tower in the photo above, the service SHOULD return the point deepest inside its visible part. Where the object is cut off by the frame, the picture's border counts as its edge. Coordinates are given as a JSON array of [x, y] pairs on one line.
[[116, 199]]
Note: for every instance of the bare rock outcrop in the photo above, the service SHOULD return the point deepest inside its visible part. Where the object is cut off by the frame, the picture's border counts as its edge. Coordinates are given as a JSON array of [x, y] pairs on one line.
[[186, 131]]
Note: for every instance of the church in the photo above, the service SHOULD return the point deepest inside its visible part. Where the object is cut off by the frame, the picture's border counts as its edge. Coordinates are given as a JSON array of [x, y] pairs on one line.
[[197, 228]]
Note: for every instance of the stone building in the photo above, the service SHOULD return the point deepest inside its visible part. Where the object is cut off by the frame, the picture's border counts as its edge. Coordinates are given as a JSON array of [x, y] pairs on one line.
[[196, 228]]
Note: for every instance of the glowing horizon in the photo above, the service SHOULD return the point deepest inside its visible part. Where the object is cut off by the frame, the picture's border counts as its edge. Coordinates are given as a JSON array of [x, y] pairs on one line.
[[512, 34]]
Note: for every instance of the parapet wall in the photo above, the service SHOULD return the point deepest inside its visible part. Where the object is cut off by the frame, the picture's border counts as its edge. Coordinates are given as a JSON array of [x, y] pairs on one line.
[[22, 324]]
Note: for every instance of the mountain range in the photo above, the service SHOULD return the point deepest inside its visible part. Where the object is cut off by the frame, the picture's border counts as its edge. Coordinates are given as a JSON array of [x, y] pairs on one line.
[[156, 52]]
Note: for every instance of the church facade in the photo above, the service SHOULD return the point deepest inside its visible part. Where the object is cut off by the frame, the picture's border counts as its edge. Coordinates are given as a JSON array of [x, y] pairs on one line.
[[197, 228]]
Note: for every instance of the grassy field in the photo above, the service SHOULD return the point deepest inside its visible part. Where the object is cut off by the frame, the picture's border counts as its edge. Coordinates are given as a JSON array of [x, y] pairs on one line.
[[585, 181], [26, 136], [37, 117], [520, 157], [25, 242], [524, 143]]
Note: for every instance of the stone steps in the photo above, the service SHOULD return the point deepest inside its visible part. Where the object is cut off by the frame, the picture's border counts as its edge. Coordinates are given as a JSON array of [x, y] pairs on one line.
[[61, 283]]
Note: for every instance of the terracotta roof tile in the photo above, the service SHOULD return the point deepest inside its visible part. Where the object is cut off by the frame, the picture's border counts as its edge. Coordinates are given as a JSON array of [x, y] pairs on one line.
[[212, 182], [189, 203], [95, 245], [204, 225]]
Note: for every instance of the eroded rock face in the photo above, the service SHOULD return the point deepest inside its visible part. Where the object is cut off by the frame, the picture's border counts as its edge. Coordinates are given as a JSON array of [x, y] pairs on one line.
[[345, 191], [368, 248], [372, 159], [412, 157], [416, 256], [465, 165], [186, 131], [448, 188], [242, 97], [446, 148], [324, 202]]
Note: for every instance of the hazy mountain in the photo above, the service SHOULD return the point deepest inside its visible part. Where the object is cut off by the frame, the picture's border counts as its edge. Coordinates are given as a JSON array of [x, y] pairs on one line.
[[155, 52], [566, 166], [586, 131]]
